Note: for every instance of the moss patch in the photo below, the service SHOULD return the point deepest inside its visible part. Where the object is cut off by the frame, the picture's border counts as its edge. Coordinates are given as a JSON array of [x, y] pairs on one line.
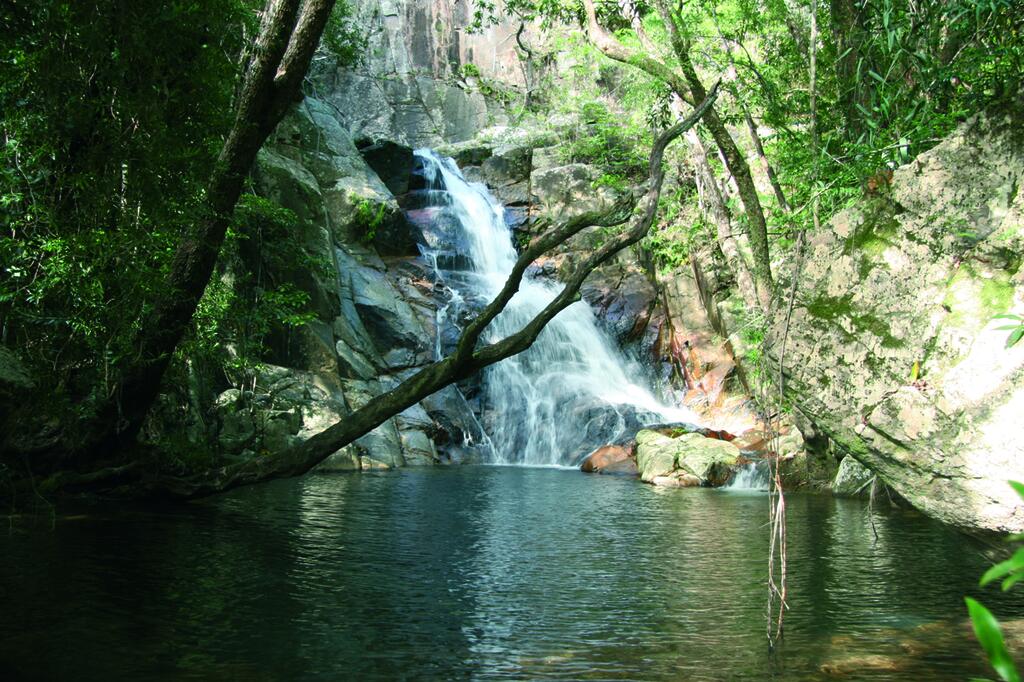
[[875, 234], [832, 308], [973, 299]]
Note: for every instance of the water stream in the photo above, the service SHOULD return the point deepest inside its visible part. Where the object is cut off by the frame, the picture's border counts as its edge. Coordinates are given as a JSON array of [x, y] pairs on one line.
[[569, 393]]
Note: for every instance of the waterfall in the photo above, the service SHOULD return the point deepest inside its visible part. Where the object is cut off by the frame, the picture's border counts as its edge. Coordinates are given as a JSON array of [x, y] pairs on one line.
[[750, 476], [573, 390]]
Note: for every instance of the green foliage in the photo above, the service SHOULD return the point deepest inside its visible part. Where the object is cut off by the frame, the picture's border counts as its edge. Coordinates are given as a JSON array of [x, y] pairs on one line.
[[986, 627], [245, 302], [608, 142], [988, 632], [111, 116], [342, 36], [1016, 329], [681, 229], [369, 216], [469, 70]]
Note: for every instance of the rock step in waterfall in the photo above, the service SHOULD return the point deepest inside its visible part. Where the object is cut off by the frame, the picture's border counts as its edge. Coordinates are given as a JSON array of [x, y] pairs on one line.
[[573, 390]]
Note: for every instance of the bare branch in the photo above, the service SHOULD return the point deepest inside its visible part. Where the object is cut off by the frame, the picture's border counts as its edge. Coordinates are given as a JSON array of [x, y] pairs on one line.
[[435, 376]]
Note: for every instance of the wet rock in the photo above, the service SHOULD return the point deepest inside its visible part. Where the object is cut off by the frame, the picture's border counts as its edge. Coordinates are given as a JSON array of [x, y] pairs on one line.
[[392, 162], [853, 478], [623, 299], [389, 320], [507, 165], [566, 191], [708, 459], [611, 459], [418, 448], [237, 429], [859, 665], [677, 479]]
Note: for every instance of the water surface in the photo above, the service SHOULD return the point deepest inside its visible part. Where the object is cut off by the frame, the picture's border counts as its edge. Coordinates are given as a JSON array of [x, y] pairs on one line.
[[483, 573]]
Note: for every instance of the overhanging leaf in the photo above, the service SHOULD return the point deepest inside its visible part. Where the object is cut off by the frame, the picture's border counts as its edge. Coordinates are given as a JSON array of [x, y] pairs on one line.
[[1019, 487], [987, 629], [1011, 565]]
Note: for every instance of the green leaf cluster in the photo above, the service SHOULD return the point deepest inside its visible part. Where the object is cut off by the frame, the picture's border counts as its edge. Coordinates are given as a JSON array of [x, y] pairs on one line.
[[1016, 328], [986, 627]]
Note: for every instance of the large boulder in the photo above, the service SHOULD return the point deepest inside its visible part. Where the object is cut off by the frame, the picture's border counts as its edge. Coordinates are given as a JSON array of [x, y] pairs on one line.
[[685, 459], [852, 479], [893, 348], [392, 162], [567, 191], [623, 298]]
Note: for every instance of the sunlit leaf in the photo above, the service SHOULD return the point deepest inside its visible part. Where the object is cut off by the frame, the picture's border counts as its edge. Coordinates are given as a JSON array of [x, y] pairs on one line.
[[1019, 487], [1014, 563], [990, 635]]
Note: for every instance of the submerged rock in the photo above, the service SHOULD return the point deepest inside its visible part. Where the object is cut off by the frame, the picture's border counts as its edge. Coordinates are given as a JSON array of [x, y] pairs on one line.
[[853, 478]]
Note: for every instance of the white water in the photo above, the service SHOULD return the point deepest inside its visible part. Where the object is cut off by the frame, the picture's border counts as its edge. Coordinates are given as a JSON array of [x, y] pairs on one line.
[[750, 476], [572, 390]]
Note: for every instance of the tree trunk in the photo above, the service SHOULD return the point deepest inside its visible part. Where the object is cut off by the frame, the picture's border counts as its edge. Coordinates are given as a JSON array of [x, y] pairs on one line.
[[466, 360], [758, 229], [755, 137], [714, 207], [287, 40]]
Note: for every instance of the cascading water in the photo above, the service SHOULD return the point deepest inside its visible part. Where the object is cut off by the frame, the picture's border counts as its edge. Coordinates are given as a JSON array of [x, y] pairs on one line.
[[572, 390], [753, 476]]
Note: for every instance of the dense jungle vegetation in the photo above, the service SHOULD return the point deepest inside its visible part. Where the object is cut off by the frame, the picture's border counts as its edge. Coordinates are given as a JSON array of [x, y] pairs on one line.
[[128, 132]]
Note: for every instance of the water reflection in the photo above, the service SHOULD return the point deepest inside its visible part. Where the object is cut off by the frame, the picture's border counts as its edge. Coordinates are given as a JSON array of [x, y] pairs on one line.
[[485, 573]]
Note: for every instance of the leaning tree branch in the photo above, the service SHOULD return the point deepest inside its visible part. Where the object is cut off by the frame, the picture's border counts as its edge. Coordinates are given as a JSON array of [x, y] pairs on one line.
[[606, 43], [733, 157], [289, 34], [686, 84], [462, 363]]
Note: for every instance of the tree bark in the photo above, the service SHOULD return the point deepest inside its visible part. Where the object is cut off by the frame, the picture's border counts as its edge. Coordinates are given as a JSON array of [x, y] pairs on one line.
[[714, 207], [737, 165], [288, 37], [463, 362], [755, 137]]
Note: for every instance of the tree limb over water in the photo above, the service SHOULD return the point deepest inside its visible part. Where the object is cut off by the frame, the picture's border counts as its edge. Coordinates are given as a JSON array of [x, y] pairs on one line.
[[466, 360]]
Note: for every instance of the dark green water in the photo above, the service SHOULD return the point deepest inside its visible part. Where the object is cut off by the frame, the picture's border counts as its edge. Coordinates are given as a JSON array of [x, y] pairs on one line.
[[483, 573]]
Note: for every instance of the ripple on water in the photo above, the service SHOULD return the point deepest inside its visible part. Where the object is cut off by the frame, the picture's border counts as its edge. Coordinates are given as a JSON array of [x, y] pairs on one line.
[[486, 573]]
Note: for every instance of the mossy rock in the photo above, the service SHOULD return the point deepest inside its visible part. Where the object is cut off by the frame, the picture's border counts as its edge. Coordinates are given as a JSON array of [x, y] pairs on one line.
[[710, 460]]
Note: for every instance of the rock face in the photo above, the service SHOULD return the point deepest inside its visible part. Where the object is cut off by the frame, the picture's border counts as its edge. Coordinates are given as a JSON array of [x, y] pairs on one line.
[[341, 161], [893, 351], [374, 320], [411, 85], [684, 460]]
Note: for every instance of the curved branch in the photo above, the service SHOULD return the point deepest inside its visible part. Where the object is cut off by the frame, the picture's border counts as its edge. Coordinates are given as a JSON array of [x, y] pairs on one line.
[[613, 49], [435, 376]]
